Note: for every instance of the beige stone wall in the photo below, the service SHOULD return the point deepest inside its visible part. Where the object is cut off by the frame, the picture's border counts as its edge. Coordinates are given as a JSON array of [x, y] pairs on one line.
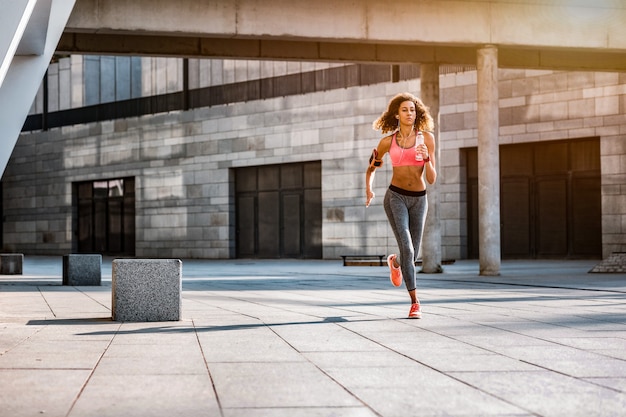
[[539, 106], [182, 162]]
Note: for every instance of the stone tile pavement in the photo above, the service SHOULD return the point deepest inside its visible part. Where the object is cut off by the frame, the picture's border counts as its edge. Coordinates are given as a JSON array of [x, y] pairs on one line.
[[314, 338]]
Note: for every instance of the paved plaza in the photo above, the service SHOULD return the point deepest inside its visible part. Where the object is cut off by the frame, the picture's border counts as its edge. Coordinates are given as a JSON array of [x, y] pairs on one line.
[[314, 338]]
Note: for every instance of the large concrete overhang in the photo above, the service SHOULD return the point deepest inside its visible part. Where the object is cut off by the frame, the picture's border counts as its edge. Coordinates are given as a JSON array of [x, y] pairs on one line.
[[541, 34], [561, 59]]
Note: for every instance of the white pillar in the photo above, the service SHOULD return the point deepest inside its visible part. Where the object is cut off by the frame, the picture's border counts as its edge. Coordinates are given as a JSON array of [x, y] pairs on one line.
[[26, 67], [431, 241], [488, 162]]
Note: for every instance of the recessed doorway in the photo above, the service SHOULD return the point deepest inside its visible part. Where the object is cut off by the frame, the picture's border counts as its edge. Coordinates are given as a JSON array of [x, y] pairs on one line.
[[279, 211], [105, 216], [550, 200]]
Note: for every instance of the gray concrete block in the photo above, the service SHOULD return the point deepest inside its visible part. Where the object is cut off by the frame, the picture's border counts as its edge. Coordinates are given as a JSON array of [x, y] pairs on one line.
[[147, 289], [82, 269], [11, 263]]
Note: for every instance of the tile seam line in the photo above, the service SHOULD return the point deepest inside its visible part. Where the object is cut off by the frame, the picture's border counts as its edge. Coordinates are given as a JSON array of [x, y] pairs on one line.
[[46, 301], [585, 380], [93, 370], [259, 303], [582, 379], [442, 372], [515, 284], [27, 338], [353, 395], [91, 298], [208, 370], [543, 339]]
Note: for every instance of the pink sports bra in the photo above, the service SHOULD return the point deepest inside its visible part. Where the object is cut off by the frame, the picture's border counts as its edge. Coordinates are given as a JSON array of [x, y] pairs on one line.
[[401, 157]]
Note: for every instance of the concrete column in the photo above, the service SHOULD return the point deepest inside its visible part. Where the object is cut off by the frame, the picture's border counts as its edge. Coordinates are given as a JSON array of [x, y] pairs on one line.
[[488, 162], [431, 241]]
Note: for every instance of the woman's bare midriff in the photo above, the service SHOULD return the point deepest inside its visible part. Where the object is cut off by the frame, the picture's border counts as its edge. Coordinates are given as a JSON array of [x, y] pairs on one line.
[[408, 178]]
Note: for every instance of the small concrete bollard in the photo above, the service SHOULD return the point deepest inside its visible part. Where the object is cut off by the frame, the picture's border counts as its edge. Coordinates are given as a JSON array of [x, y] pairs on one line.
[[81, 269], [147, 289], [11, 263]]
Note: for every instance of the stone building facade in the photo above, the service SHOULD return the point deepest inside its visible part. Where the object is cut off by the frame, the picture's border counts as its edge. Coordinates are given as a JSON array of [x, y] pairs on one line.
[[187, 169]]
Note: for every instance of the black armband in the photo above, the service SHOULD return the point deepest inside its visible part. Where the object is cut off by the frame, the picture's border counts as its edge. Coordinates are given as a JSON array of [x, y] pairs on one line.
[[374, 161]]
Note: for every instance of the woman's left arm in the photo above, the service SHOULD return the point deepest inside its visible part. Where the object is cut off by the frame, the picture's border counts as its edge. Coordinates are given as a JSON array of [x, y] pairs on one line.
[[429, 167]]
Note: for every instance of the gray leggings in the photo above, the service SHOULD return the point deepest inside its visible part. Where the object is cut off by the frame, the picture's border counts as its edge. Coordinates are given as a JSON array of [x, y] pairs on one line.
[[406, 211]]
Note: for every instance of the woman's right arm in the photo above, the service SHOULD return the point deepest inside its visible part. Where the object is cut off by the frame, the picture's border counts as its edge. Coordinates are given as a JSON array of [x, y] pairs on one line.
[[376, 161], [369, 181]]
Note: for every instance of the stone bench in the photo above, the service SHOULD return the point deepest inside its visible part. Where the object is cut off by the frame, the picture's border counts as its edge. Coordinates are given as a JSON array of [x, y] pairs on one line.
[[364, 260], [147, 289], [443, 262], [377, 260], [11, 263], [81, 269]]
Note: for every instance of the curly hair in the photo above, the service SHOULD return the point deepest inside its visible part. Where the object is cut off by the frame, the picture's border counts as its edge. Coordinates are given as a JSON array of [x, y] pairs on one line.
[[387, 121]]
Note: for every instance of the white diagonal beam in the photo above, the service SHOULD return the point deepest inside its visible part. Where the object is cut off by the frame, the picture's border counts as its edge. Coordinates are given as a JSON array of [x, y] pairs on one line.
[[25, 72], [13, 21]]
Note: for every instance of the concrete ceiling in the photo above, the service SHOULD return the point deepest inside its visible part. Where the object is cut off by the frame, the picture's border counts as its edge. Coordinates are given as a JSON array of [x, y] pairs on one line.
[[540, 34]]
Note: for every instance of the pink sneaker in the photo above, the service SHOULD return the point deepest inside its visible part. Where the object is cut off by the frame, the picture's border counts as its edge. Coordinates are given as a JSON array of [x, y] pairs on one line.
[[416, 311], [395, 274]]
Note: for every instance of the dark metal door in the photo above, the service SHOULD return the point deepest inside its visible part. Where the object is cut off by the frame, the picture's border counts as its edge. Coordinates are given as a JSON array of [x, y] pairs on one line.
[[515, 217], [269, 224], [586, 238], [551, 215], [105, 216], [550, 200], [291, 225], [279, 211], [246, 211]]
